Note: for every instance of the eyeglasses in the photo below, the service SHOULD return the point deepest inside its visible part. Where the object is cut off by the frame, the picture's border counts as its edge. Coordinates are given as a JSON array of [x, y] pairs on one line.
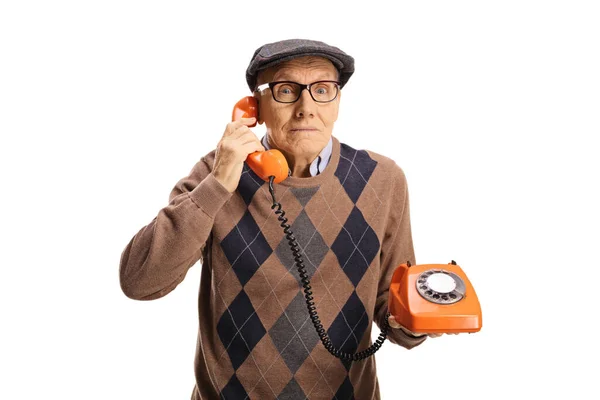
[[290, 92]]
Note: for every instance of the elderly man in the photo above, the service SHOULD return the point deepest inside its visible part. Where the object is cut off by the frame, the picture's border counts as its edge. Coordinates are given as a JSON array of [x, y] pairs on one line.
[[348, 210]]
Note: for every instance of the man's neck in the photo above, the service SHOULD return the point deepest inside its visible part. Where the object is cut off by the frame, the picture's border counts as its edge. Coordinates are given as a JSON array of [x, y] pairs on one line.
[[300, 170]]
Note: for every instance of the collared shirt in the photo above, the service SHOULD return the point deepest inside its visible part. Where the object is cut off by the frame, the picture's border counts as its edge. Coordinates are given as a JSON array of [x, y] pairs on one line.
[[318, 164]]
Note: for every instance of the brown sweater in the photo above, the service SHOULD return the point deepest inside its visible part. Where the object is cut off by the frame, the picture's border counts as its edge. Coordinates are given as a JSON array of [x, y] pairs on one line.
[[256, 340]]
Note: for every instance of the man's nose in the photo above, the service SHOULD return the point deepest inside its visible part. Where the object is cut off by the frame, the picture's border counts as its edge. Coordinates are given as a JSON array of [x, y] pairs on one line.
[[305, 106]]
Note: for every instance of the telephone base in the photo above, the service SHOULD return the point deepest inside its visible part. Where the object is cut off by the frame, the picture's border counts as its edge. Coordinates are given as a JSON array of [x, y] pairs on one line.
[[434, 298]]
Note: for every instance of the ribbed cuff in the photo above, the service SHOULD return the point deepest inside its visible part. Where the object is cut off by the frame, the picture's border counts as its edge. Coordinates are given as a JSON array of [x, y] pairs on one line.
[[410, 335], [210, 195], [399, 336]]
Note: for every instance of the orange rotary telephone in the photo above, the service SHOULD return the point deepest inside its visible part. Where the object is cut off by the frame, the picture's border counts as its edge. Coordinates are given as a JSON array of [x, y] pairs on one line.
[[434, 298], [423, 298]]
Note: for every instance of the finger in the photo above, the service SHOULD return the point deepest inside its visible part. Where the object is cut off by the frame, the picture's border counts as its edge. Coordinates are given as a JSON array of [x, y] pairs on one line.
[[239, 132], [247, 136], [251, 147], [247, 121], [393, 323], [243, 122], [234, 125]]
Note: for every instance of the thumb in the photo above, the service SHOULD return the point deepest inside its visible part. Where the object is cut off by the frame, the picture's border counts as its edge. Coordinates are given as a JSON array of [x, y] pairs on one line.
[[393, 323]]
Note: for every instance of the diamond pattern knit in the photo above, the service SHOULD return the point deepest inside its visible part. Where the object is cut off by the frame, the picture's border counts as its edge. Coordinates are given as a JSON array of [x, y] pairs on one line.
[[256, 340]]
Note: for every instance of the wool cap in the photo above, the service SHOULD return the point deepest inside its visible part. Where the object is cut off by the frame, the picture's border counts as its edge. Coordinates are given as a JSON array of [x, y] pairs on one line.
[[272, 54]]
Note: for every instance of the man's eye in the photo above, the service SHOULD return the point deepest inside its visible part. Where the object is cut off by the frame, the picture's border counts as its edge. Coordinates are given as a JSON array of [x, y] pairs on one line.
[[287, 89], [321, 90]]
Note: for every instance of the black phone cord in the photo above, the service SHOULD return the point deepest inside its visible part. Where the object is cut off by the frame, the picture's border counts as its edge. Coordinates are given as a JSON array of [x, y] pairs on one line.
[[312, 310]]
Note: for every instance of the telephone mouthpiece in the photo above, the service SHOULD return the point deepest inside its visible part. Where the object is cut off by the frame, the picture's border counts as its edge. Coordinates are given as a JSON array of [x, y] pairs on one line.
[[269, 163]]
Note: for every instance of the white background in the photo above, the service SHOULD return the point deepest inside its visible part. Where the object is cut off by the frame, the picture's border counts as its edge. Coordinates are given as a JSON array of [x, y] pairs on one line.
[[491, 108]]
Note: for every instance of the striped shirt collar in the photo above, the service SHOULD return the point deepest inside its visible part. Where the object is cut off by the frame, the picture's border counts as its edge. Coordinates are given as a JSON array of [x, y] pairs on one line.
[[318, 164]]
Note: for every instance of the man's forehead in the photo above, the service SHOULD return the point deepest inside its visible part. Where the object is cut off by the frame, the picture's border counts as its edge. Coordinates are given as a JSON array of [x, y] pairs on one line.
[[321, 67]]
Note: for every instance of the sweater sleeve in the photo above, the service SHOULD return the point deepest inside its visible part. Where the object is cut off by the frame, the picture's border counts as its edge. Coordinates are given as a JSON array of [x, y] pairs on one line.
[[396, 248], [158, 257]]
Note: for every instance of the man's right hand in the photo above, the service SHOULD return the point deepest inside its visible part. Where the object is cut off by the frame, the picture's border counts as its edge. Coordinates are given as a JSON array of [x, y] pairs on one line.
[[237, 142]]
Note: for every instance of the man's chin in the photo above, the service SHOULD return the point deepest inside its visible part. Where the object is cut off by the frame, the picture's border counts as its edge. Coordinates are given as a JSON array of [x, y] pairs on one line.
[[300, 151]]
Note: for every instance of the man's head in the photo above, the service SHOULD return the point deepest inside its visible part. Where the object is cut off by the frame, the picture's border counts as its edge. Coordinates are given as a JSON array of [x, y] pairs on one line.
[[304, 127], [299, 128]]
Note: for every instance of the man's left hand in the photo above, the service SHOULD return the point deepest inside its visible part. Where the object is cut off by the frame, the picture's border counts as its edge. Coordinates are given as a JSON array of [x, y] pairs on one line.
[[396, 325]]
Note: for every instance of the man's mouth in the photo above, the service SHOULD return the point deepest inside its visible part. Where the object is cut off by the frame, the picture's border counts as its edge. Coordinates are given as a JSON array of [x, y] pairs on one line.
[[307, 129]]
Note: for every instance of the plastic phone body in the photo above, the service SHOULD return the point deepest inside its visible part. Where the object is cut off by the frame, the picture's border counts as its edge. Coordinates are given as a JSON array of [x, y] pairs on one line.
[[263, 163], [434, 298]]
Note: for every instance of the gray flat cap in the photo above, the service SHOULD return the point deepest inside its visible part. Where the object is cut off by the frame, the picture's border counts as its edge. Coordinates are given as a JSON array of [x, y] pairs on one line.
[[274, 53]]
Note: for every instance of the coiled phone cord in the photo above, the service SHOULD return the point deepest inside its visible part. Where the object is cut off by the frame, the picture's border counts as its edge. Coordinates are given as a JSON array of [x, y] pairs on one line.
[[312, 310]]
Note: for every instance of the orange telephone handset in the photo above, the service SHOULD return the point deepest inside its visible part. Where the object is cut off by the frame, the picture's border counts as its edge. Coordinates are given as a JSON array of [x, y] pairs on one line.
[[263, 163], [434, 298]]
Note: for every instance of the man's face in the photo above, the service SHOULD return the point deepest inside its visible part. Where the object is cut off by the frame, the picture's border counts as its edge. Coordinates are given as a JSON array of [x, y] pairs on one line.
[[301, 129]]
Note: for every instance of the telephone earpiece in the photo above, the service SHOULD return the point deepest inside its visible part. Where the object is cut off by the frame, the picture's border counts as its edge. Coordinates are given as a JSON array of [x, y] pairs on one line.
[[264, 163], [245, 108]]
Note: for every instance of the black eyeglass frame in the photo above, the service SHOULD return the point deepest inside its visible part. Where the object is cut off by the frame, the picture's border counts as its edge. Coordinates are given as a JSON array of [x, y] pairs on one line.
[[270, 85]]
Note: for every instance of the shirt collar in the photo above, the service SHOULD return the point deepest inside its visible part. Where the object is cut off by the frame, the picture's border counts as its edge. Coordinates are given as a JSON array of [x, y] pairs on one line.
[[318, 164]]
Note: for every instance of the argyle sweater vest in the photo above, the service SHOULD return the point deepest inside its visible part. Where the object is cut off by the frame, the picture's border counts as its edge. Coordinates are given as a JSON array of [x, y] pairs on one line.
[[256, 339]]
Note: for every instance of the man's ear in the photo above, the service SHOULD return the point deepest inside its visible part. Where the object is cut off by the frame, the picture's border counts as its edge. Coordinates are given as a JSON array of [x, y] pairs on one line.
[[259, 120], [339, 98]]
